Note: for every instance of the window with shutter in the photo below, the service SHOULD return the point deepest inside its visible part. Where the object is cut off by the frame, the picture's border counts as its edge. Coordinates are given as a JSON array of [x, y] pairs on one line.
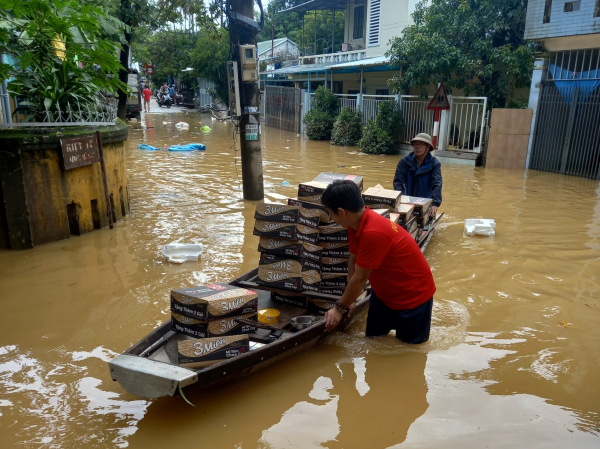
[[373, 21], [359, 20]]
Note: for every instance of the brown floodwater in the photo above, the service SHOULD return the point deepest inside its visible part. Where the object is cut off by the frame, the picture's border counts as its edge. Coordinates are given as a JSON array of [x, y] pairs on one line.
[[513, 356]]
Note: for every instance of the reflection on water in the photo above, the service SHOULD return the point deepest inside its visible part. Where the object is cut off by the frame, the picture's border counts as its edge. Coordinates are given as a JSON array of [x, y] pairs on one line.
[[307, 424], [511, 359]]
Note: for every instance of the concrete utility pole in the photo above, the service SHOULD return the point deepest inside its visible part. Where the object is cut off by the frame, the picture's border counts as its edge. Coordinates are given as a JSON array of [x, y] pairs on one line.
[[252, 170]]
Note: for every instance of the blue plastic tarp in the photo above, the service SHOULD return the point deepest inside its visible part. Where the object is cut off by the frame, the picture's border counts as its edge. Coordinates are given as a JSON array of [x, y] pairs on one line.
[[188, 147]]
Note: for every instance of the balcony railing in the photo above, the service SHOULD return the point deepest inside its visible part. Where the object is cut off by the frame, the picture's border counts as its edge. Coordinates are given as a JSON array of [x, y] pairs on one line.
[[338, 57]]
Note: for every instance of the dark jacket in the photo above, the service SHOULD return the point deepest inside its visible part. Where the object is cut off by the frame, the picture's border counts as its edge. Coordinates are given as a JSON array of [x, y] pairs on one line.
[[424, 181]]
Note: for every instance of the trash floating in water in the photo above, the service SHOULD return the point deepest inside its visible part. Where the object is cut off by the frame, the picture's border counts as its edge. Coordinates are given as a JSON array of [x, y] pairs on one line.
[[354, 167], [182, 125], [167, 123], [286, 184], [480, 226], [182, 252], [287, 148], [188, 147], [205, 129], [341, 165]]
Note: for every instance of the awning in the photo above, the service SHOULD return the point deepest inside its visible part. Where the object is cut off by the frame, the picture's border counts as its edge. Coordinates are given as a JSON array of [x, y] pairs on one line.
[[367, 62], [343, 66], [318, 5]]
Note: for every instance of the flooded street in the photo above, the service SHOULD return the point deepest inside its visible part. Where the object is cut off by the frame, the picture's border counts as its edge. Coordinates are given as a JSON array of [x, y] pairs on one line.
[[512, 360]]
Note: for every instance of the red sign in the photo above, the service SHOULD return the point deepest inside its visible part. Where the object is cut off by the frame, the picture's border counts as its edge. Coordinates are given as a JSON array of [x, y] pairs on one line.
[[439, 101], [149, 70]]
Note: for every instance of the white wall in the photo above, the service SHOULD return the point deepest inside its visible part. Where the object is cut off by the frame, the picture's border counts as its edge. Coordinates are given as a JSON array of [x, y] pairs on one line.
[[561, 23], [394, 18]]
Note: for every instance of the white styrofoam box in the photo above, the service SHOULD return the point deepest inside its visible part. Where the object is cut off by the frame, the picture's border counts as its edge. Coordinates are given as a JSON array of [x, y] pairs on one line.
[[480, 226], [182, 252]]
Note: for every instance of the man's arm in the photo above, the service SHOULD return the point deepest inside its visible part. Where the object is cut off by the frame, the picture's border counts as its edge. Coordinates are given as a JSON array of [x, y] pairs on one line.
[[436, 188], [351, 264], [400, 178], [353, 290]]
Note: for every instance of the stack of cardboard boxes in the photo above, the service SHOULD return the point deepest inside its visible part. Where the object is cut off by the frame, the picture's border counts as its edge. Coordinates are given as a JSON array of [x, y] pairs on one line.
[[317, 260], [411, 213], [209, 313]]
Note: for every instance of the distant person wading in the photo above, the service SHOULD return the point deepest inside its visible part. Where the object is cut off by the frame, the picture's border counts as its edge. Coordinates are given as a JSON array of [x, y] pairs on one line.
[[419, 173]]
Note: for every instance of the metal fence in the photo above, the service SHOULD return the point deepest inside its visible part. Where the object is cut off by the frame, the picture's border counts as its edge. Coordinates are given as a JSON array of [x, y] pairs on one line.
[[567, 133], [370, 105], [465, 123], [204, 97], [416, 117], [347, 101], [104, 112], [283, 108], [465, 119]]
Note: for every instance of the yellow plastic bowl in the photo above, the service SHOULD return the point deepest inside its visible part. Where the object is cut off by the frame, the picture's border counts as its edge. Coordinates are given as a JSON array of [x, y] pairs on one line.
[[268, 316]]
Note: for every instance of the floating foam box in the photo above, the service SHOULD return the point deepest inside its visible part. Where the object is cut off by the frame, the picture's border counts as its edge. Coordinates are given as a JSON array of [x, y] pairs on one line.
[[480, 226]]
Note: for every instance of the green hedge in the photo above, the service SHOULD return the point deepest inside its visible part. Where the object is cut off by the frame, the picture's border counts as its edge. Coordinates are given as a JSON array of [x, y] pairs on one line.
[[347, 129]]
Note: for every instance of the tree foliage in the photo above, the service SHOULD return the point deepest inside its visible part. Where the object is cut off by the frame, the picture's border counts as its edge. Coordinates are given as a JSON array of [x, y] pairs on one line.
[[290, 25], [475, 45], [44, 39], [375, 140], [209, 58]]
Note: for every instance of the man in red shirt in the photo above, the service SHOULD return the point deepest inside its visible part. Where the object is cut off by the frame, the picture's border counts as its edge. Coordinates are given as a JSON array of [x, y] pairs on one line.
[[147, 95], [386, 255]]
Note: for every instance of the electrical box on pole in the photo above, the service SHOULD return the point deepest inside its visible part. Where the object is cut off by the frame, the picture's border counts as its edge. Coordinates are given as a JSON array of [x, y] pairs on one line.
[[233, 86], [248, 61]]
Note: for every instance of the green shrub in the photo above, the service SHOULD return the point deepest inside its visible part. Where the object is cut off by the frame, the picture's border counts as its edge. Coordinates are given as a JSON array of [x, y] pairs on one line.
[[326, 101], [319, 125], [347, 129], [324, 108], [390, 118], [376, 141]]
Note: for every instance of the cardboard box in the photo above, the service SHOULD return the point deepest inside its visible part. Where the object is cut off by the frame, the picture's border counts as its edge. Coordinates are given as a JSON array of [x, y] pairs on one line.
[[336, 291], [334, 265], [385, 213], [423, 221], [405, 212], [290, 248], [410, 226], [311, 189], [306, 281], [321, 306], [315, 188], [292, 300], [334, 280], [213, 328], [325, 218], [381, 198], [333, 233], [394, 217], [283, 263], [207, 302], [199, 353], [288, 231], [335, 249], [288, 214], [328, 178], [422, 205]]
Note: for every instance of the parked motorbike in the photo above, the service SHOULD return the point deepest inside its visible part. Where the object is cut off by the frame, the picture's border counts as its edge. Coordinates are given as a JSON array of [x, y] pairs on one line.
[[164, 100]]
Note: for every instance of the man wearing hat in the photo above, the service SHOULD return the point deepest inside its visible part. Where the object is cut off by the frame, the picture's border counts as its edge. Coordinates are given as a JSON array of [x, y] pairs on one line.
[[419, 173]]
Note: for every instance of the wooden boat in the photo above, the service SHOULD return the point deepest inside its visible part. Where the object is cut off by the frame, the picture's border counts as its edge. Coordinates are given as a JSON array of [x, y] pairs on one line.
[[149, 368]]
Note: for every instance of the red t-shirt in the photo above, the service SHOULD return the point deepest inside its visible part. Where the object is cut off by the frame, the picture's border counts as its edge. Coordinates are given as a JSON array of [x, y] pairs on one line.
[[147, 94], [400, 275]]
